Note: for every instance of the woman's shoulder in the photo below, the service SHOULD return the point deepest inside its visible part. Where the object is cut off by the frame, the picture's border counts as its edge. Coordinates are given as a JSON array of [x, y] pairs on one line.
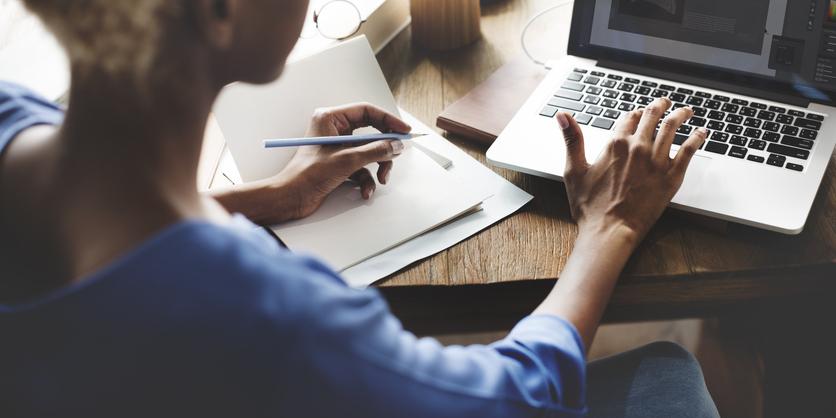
[[21, 108]]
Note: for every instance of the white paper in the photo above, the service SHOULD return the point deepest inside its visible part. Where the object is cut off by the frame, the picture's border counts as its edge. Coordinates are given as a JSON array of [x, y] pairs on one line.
[[420, 196], [505, 200]]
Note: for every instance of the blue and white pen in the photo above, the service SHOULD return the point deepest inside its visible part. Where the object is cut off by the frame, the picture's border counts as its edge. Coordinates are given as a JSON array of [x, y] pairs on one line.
[[337, 140]]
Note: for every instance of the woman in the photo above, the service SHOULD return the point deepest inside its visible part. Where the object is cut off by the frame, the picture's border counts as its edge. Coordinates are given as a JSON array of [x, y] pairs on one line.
[[126, 293]]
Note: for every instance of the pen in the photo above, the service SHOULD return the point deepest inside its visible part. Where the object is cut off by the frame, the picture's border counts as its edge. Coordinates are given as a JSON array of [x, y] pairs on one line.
[[334, 140]]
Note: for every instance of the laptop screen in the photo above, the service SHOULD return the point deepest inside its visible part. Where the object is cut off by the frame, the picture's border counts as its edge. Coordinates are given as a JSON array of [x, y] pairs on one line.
[[787, 42]]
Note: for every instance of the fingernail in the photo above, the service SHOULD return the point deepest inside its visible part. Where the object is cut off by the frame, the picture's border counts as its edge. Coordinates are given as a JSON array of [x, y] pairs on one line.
[[386, 177], [371, 193], [562, 120], [397, 147], [703, 131]]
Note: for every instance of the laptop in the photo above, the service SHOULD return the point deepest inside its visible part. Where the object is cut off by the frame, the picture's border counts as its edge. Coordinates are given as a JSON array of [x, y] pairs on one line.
[[759, 74]]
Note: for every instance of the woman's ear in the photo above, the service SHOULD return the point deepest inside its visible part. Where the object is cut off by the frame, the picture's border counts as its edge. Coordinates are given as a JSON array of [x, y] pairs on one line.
[[217, 20]]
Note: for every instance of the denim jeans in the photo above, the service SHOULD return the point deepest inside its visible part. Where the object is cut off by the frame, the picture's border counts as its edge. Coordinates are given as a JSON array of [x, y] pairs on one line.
[[658, 380]]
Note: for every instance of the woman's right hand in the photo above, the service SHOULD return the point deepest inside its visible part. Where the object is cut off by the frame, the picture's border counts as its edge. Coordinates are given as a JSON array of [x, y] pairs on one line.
[[633, 181]]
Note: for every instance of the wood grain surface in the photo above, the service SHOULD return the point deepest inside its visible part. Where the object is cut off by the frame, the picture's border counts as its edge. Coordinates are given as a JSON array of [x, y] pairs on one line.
[[687, 266]]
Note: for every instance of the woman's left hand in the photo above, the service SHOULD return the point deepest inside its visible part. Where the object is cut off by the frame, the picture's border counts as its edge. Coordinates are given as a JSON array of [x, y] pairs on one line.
[[316, 171]]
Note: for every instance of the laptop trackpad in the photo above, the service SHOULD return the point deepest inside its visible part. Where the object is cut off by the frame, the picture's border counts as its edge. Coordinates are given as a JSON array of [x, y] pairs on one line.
[[692, 187]]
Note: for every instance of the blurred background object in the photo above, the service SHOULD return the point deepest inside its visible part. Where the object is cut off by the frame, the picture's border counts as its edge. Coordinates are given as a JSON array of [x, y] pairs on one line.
[[443, 25]]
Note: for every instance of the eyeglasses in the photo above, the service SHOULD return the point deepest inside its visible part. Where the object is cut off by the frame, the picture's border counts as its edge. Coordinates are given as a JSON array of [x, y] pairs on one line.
[[336, 19]]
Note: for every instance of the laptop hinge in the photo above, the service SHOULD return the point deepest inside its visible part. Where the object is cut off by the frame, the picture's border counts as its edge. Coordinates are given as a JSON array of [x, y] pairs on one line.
[[713, 84]]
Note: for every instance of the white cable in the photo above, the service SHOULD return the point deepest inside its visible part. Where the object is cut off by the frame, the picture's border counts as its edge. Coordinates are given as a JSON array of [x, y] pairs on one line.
[[528, 25]]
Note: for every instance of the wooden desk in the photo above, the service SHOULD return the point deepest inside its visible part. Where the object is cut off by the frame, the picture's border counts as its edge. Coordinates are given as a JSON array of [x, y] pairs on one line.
[[687, 266]]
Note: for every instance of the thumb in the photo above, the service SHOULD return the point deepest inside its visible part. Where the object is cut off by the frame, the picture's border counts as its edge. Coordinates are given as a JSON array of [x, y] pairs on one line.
[[572, 135]]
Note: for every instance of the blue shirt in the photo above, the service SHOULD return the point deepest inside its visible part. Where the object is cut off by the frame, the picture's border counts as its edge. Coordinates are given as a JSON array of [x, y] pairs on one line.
[[219, 320]]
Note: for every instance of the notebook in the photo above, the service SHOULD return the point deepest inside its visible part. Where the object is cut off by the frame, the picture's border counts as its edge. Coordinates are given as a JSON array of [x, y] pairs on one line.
[[421, 194]]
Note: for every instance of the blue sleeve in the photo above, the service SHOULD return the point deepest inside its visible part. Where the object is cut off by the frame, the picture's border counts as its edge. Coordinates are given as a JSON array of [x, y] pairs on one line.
[[351, 347], [21, 108]]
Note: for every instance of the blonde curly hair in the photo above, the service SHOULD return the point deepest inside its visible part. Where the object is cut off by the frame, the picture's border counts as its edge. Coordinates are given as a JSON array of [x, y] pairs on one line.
[[119, 37]]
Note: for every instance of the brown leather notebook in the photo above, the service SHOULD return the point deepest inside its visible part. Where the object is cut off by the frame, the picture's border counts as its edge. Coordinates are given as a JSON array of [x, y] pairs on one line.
[[483, 113]]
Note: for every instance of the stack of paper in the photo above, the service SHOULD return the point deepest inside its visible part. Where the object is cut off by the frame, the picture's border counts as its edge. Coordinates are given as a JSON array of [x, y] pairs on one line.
[[418, 213]]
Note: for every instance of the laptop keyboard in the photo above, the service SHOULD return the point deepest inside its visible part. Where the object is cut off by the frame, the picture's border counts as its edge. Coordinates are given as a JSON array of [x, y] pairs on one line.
[[737, 128]]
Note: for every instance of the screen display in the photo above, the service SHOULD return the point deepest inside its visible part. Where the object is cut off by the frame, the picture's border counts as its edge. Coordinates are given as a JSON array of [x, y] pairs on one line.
[[789, 41]]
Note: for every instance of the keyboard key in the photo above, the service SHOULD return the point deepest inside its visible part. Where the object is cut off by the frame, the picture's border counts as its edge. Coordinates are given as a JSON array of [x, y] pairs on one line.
[[788, 151], [626, 107], [796, 113], [757, 105], [679, 139], [615, 77], [808, 134], [776, 160], [716, 115], [795, 167], [583, 118], [814, 116], [771, 126], [703, 94], [603, 123], [611, 94], [797, 142], [734, 129], [738, 140], [734, 119], [580, 70], [757, 144], [755, 158], [591, 99], [748, 111], [715, 125], [594, 90], [677, 97], [752, 123], [567, 94], [569, 85], [644, 91], [766, 115], [753, 133], [720, 98], [594, 110], [609, 84], [700, 111], [548, 111], [712, 104], [777, 109], [575, 77], [627, 97], [738, 152], [696, 121], [740, 102], [716, 147], [807, 123], [632, 80], [626, 87], [592, 80], [720, 136], [610, 103], [649, 84], [771, 137], [667, 87], [731, 108], [785, 119], [597, 74], [660, 93], [644, 101], [683, 90], [612, 114], [695, 101], [684, 129], [790, 130], [566, 104]]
